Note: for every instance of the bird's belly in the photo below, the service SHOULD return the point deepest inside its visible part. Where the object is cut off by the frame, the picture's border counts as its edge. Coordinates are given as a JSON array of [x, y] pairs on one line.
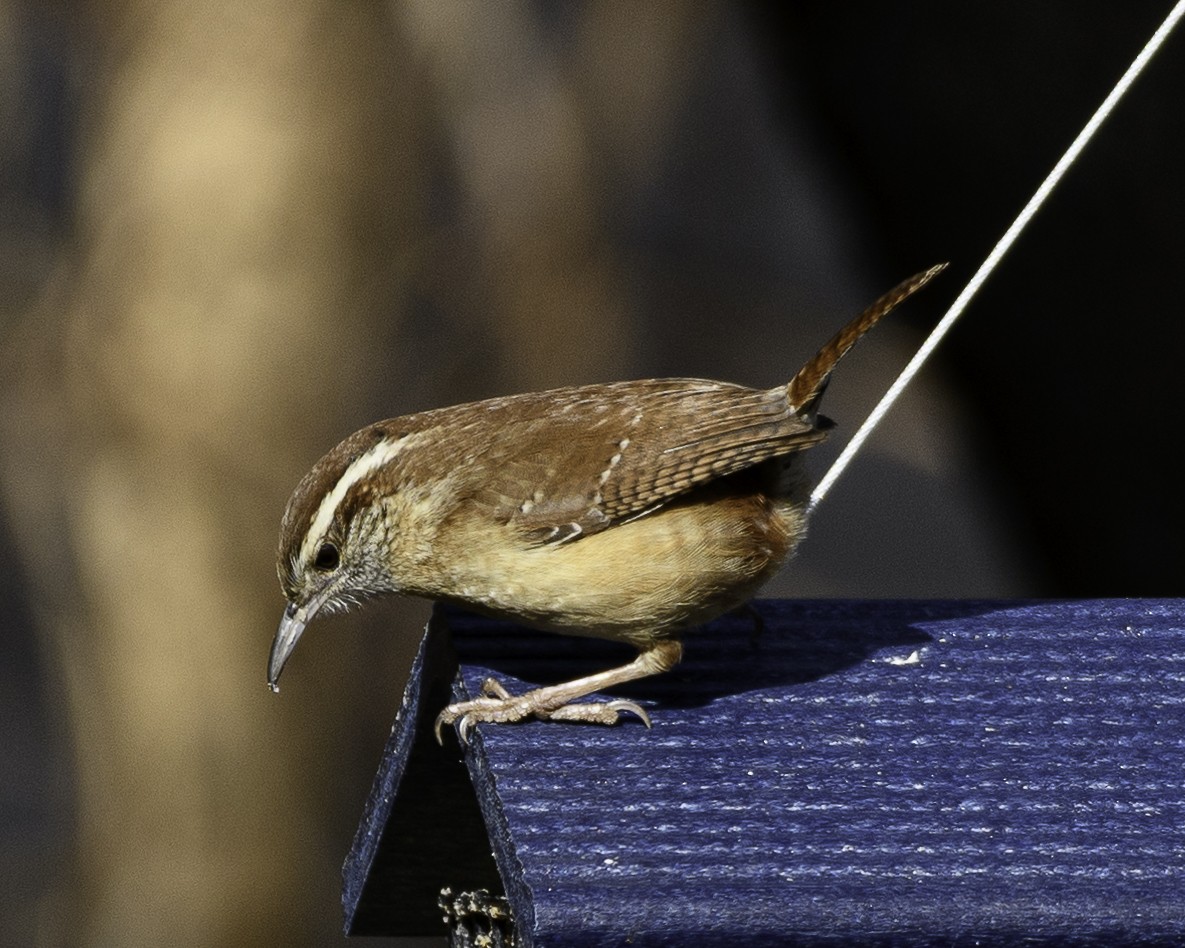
[[640, 580]]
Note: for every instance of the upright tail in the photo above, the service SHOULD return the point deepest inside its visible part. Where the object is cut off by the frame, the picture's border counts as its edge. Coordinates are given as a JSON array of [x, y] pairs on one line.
[[807, 387]]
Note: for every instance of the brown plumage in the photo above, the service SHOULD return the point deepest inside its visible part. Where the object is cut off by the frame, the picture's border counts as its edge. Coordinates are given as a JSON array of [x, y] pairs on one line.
[[626, 510]]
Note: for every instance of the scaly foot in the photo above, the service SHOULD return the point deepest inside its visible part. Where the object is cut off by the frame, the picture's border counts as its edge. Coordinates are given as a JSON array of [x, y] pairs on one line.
[[498, 706]]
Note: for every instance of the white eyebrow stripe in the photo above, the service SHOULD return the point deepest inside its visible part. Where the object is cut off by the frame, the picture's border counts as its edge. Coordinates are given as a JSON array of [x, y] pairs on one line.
[[370, 461]]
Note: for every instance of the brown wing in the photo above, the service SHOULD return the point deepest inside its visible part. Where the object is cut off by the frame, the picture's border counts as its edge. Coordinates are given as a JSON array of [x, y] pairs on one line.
[[562, 464]]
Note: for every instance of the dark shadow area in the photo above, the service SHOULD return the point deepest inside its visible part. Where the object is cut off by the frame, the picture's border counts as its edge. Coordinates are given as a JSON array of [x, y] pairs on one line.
[[422, 828], [773, 644], [35, 819], [943, 118]]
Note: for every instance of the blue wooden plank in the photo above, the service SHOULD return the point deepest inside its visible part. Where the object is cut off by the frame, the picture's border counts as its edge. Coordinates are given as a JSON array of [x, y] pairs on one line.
[[891, 771], [421, 827]]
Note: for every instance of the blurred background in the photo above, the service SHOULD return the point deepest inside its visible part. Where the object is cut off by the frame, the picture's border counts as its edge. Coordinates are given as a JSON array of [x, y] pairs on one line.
[[234, 231]]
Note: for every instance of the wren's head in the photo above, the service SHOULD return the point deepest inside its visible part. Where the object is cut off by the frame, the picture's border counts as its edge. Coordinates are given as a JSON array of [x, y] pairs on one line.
[[334, 538]]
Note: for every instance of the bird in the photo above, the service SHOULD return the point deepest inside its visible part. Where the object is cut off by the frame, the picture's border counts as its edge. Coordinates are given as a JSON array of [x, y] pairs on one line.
[[629, 511]]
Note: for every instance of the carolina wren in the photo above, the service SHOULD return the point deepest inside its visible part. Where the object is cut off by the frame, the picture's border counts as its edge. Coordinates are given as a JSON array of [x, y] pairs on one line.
[[627, 511]]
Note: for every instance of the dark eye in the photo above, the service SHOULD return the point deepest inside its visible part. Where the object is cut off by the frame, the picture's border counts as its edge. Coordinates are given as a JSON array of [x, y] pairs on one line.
[[327, 558]]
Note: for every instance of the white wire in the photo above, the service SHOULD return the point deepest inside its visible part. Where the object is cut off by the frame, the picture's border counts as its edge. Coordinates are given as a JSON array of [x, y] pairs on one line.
[[1001, 248]]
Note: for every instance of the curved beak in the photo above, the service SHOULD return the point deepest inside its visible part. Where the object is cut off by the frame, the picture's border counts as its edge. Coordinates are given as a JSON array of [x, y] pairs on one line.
[[287, 635]]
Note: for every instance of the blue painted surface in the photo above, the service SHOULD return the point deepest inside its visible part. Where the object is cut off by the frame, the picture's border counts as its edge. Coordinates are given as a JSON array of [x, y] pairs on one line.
[[894, 772]]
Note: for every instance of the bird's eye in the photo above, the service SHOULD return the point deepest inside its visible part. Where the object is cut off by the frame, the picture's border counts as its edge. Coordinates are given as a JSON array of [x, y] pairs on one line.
[[327, 558]]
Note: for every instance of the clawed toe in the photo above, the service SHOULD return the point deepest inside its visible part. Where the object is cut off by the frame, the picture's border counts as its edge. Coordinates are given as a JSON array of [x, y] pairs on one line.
[[497, 706], [492, 688], [597, 712]]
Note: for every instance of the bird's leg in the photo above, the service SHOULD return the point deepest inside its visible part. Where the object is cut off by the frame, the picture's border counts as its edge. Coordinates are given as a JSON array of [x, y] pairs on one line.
[[555, 702]]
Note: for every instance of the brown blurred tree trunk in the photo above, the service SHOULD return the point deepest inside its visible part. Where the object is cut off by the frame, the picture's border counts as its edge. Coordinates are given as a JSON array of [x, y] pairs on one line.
[[252, 175]]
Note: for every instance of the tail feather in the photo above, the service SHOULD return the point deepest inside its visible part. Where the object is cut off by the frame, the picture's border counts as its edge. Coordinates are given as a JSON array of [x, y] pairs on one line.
[[807, 387]]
